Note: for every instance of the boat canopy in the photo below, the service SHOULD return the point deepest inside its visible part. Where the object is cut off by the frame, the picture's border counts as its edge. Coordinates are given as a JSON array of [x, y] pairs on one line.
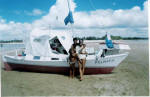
[[39, 42]]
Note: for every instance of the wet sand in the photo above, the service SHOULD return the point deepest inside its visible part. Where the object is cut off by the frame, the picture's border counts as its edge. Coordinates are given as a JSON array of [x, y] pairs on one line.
[[131, 77]]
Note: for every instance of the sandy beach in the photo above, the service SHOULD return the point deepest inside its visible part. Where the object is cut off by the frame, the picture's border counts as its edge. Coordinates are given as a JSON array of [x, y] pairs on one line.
[[130, 78]]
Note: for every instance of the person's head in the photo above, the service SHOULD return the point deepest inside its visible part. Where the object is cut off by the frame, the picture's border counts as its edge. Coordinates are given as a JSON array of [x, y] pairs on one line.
[[75, 40], [80, 41]]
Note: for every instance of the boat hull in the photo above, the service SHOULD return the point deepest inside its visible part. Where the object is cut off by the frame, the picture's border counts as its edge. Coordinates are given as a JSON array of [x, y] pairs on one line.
[[57, 70], [93, 64]]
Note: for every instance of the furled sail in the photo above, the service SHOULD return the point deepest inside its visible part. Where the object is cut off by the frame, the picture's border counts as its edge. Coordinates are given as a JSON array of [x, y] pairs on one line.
[[108, 41], [69, 18]]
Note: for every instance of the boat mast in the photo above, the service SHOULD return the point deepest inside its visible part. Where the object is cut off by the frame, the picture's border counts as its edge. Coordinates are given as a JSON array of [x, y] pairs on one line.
[[69, 11], [68, 5]]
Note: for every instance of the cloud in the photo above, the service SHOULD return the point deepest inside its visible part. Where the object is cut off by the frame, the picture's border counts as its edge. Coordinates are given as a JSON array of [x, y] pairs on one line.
[[129, 22], [35, 12], [59, 11], [13, 30], [134, 17]]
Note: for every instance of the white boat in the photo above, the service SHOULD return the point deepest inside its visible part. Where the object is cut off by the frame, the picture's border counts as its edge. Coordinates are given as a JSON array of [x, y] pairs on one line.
[[42, 55], [48, 52]]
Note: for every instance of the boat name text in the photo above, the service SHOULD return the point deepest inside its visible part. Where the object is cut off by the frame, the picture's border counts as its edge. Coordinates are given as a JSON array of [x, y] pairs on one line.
[[100, 61]]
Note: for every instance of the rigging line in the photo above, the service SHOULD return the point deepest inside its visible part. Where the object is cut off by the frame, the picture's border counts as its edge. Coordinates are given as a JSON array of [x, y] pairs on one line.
[[72, 30], [92, 5], [95, 9]]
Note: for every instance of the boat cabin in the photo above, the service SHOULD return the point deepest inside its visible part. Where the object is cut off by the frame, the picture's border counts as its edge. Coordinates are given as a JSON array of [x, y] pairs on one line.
[[45, 44]]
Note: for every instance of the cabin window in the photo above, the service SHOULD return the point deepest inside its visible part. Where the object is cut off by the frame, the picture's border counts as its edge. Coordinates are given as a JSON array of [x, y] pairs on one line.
[[56, 46], [54, 58]]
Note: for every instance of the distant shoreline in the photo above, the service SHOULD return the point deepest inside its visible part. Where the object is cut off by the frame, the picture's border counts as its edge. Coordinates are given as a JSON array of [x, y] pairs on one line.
[[87, 38], [11, 41], [114, 38]]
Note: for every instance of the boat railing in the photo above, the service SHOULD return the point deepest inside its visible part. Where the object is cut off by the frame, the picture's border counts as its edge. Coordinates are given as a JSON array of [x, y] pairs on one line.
[[15, 52]]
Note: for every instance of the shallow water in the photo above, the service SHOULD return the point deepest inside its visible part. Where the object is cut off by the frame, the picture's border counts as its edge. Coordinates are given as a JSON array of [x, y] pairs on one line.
[[10, 46], [130, 78]]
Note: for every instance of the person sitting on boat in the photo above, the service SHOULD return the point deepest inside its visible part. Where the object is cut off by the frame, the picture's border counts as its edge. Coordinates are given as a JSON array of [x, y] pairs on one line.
[[81, 52], [72, 58]]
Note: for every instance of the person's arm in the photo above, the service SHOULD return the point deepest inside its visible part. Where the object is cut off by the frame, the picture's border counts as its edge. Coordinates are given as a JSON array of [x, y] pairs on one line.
[[81, 50], [84, 51], [74, 54], [77, 50]]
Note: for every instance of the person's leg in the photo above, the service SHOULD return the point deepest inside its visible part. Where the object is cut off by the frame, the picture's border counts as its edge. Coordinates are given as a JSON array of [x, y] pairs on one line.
[[84, 61], [80, 69], [73, 70], [70, 70]]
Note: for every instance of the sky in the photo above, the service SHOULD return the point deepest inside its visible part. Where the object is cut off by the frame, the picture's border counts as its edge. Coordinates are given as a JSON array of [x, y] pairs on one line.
[[126, 18]]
